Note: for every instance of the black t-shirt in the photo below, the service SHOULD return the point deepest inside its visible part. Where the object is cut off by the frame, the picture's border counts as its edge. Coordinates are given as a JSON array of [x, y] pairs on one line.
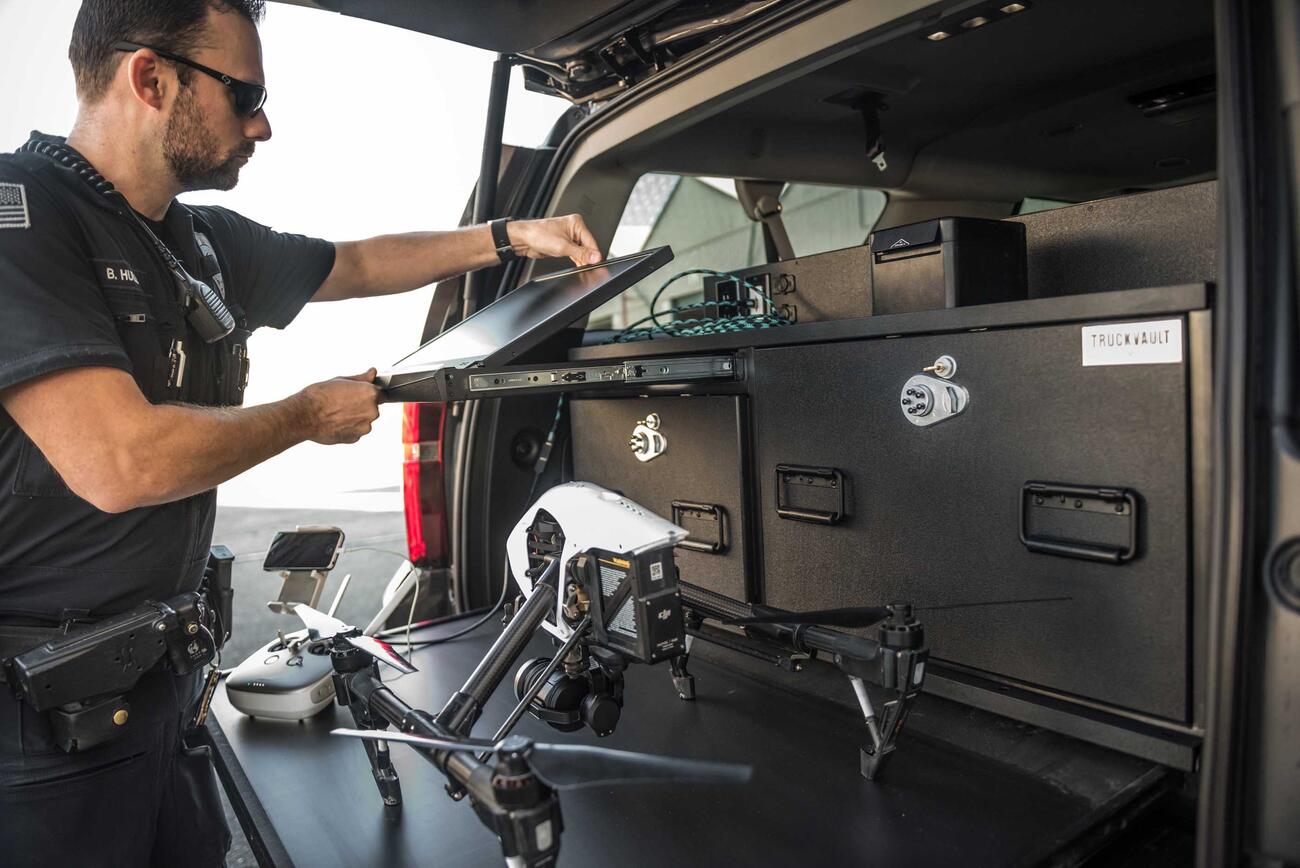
[[74, 266]]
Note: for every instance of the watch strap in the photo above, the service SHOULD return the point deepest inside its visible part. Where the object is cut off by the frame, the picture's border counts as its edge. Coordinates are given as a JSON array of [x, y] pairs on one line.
[[501, 240]]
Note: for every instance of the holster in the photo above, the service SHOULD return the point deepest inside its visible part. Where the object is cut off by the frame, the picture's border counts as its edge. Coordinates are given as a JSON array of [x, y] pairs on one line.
[[76, 726], [16, 640]]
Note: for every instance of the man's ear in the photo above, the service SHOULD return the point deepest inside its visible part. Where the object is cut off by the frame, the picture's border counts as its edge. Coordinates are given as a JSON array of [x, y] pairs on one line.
[[145, 77]]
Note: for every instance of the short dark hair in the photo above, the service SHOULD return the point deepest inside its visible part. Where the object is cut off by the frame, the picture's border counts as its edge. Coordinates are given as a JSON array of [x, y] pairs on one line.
[[172, 25]]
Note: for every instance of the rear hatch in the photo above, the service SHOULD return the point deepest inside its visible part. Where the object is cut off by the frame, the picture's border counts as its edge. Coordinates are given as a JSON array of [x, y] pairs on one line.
[[583, 50]]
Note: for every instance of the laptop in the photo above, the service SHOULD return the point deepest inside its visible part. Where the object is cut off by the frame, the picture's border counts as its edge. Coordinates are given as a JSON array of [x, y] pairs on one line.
[[498, 334]]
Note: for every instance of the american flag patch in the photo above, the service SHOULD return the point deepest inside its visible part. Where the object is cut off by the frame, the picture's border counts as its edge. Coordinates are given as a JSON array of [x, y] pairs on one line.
[[13, 206]]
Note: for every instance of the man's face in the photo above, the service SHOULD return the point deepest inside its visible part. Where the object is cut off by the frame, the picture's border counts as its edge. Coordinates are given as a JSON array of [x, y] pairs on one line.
[[205, 141]]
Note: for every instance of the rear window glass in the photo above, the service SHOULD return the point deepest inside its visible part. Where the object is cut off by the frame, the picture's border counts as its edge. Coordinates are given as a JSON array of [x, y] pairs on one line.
[[703, 221]]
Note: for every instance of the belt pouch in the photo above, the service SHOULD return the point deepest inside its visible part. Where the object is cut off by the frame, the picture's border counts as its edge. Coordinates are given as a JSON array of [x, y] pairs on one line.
[[80, 726]]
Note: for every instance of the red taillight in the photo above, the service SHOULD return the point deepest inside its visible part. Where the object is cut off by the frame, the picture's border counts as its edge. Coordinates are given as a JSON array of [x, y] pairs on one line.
[[423, 493]]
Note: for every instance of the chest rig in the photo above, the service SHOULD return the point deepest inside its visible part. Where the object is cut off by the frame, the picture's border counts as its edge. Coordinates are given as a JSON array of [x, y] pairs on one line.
[[187, 340]]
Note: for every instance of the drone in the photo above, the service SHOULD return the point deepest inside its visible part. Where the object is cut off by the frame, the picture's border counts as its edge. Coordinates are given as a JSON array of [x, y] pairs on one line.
[[596, 571]]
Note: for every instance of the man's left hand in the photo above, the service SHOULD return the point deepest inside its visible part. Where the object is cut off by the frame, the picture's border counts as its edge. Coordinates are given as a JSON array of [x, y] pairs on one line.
[[555, 236]]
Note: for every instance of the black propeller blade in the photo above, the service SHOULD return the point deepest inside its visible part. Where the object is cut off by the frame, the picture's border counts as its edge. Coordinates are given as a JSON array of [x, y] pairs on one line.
[[572, 766], [850, 617], [327, 627]]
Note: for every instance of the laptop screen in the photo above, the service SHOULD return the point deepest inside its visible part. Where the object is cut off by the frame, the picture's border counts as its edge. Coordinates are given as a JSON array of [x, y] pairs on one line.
[[531, 313]]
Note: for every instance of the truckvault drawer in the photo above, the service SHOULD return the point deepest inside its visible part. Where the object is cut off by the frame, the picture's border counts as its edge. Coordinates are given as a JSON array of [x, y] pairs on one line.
[[692, 473], [1057, 500]]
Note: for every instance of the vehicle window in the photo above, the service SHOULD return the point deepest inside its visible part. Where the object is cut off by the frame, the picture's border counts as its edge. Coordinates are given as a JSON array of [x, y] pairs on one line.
[[702, 220], [819, 218]]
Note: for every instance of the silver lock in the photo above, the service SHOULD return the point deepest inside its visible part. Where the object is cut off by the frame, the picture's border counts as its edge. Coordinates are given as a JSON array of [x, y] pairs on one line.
[[647, 443], [945, 366], [927, 400]]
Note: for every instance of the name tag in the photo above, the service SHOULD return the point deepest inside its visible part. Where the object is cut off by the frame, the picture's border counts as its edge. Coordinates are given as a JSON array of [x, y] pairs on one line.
[[117, 273]]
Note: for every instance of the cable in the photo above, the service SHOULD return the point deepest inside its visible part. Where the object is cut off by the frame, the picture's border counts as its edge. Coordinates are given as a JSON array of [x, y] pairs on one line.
[[539, 467], [415, 596], [410, 616], [707, 325]]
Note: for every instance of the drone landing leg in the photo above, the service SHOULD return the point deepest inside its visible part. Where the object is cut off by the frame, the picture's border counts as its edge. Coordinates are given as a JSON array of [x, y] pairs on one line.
[[381, 764], [901, 672], [874, 754], [682, 680]]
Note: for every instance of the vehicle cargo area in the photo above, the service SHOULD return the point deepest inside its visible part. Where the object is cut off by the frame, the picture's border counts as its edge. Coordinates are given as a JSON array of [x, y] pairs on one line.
[[992, 405]]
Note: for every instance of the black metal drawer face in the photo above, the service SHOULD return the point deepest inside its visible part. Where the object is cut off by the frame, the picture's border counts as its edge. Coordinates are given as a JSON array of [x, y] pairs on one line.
[[934, 514], [688, 466]]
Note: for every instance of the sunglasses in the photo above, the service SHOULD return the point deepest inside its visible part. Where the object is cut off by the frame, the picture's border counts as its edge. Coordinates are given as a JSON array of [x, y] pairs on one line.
[[249, 98]]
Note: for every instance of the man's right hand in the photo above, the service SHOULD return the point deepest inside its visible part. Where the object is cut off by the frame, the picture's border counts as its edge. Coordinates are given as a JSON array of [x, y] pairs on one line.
[[341, 410]]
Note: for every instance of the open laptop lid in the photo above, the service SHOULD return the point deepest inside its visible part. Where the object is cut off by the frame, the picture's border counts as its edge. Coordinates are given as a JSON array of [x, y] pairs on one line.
[[521, 319]]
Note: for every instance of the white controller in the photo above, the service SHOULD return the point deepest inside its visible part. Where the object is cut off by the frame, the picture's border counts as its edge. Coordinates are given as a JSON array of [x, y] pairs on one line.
[[290, 677]]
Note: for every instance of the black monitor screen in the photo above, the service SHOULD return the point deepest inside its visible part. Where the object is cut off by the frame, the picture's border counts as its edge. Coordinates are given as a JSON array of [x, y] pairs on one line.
[[520, 319]]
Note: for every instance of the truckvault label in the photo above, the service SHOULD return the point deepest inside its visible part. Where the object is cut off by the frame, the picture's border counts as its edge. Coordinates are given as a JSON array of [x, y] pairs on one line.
[[1133, 343]]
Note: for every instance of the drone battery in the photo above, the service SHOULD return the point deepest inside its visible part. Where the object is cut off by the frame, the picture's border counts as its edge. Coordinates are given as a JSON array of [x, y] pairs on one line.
[[635, 607], [945, 263]]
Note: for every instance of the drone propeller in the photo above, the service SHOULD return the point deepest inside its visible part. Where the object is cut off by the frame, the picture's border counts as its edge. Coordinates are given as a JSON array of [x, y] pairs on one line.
[[327, 627], [853, 617], [849, 617], [572, 766]]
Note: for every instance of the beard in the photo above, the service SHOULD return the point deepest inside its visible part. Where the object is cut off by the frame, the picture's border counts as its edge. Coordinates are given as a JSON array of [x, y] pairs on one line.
[[192, 152]]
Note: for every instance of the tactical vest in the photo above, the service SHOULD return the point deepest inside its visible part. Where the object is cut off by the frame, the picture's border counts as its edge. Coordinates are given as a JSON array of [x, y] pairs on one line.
[[58, 553], [168, 359]]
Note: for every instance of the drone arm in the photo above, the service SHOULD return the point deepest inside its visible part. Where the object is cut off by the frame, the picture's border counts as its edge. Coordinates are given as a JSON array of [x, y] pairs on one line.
[[896, 662], [465, 706], [804, 638]]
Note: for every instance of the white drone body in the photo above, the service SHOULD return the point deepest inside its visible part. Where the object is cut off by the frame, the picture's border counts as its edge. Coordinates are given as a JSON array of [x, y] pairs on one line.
[[590, 517]]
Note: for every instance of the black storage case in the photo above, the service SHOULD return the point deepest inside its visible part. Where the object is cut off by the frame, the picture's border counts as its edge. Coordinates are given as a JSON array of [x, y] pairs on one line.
[[949, 262], [1069, 501], [698, 481], [1064, 486]]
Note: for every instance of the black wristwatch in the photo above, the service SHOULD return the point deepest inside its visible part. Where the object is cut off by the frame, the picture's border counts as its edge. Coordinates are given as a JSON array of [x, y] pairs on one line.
[[501, 240]]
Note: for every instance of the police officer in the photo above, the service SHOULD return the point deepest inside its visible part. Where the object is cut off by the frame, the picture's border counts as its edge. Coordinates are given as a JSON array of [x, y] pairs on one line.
[[123, 358]]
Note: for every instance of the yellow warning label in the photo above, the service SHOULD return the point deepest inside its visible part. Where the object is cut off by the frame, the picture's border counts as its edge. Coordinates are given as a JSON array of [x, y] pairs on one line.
[[618, 562]]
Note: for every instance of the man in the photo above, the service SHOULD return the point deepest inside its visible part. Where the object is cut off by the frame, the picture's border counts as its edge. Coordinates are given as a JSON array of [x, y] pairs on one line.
[[120, 378]]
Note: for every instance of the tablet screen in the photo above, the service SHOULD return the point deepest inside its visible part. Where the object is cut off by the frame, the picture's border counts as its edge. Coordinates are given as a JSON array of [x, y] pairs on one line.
[[531, 313]]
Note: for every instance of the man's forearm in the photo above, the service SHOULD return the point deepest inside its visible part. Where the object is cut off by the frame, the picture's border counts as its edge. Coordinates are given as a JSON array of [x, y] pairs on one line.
[[188, 449], [390, 264], [118, 451], [397, 263]]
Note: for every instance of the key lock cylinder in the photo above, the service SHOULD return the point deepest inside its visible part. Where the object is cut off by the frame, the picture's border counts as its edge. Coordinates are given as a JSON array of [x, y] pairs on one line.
[[931, 397], [647, 442]]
